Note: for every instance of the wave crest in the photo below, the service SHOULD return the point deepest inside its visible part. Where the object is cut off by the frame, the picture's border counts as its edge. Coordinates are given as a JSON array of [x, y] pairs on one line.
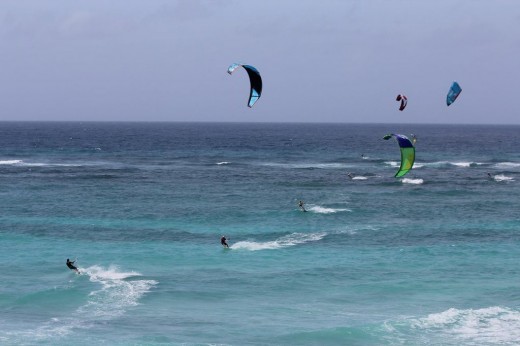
[[11, 162]]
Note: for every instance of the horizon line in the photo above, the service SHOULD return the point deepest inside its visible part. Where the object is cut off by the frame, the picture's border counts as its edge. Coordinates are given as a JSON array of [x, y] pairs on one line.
[[253, 122]]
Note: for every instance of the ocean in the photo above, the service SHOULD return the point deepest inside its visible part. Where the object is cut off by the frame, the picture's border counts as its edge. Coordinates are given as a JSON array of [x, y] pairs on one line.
[[428, 259]]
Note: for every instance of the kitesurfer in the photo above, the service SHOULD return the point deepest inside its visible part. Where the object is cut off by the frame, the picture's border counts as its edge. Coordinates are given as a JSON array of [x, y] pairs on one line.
[[489, 175], [300, 204], [350, 175], [223, 241], [71, 266]]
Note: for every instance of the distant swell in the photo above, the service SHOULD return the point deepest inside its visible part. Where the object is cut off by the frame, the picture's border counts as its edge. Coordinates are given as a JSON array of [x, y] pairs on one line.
[[308, 165], [507, 165]]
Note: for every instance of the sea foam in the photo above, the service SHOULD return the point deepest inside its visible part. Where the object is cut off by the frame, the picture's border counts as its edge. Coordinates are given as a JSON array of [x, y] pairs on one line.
[[492, 325], [501, 177], [107, 302]]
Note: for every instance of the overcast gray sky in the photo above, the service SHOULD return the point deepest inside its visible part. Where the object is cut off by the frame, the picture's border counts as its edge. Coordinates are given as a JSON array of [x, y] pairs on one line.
[[321, 61]]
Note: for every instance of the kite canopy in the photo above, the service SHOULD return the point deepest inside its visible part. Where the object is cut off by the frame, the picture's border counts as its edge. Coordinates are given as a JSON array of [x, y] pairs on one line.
[[254, 78], [404, 101], [454, 92], [407, 153]]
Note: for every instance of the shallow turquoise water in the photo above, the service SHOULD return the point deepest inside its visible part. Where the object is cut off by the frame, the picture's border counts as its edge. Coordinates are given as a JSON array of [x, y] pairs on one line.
[[428, 259]]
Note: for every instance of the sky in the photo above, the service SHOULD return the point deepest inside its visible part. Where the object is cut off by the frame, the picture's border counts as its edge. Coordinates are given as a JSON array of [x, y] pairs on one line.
[[321, 61]]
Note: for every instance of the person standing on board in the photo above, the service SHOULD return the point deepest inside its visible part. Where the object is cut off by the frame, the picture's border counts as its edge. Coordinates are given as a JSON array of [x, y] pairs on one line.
[[223, 242], [71, 266]]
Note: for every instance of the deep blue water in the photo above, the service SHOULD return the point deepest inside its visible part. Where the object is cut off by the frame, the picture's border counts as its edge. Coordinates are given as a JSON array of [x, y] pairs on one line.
[[428, 259]]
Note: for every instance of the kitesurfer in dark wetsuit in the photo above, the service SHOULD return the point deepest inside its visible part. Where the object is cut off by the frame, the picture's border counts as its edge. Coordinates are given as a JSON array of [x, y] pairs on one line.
[[223, 241], [300, 204], [71, 266]]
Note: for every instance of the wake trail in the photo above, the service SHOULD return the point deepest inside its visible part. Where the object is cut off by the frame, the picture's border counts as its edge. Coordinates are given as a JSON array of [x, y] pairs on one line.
[[111, 297], [282, 242]]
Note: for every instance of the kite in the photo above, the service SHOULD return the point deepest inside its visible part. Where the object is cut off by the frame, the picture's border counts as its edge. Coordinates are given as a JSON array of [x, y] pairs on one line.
[[454, 92], [404, 101], [254, 78], [407, 153]]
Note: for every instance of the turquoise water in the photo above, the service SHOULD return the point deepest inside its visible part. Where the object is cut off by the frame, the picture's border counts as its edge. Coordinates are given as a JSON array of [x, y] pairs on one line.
[[428, 259]]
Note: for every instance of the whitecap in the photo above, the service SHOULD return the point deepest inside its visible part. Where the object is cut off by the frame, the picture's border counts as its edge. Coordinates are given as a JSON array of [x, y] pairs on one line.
[[223, 163], [412, 181], [359, 178], [464, 164], [11, 162]]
